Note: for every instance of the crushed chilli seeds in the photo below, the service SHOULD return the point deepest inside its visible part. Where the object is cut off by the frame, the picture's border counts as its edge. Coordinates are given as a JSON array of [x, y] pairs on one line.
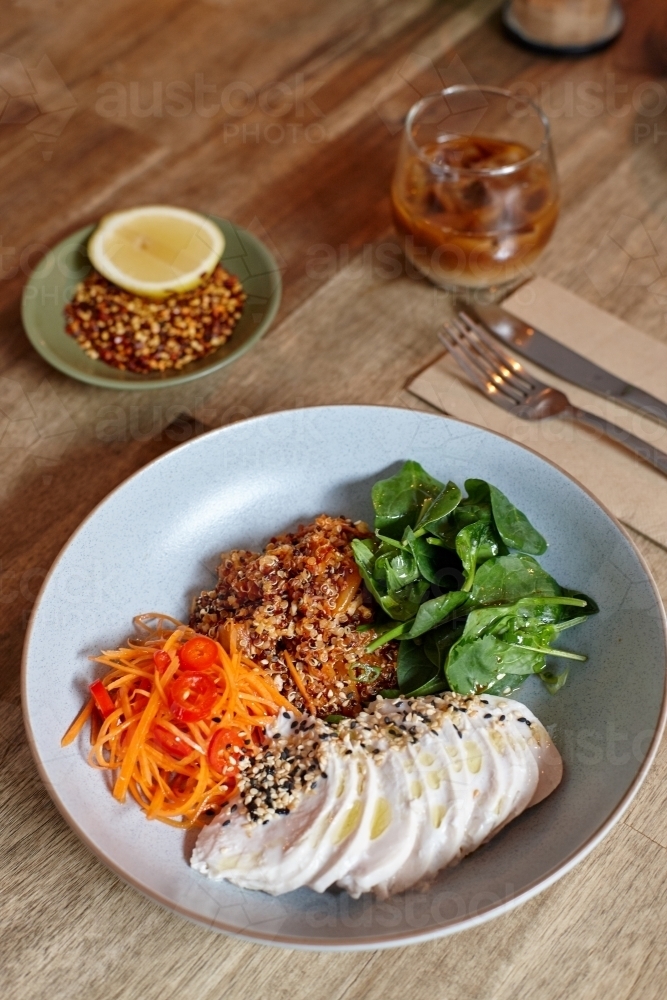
[[301, 602], [137, 334]]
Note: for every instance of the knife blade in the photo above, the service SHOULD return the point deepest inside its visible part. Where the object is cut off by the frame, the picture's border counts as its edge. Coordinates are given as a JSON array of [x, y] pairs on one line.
[[562, 361]]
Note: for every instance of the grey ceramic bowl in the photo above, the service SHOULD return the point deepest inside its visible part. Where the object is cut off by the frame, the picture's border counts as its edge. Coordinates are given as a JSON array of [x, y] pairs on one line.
[[52, 283], [153, 543]]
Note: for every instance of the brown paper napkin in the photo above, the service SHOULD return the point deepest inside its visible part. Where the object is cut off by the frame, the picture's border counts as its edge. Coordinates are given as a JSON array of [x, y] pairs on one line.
[[630, 488]]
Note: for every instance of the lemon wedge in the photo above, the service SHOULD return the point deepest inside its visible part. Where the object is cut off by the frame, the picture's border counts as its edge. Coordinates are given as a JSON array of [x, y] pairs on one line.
[[156, 250]]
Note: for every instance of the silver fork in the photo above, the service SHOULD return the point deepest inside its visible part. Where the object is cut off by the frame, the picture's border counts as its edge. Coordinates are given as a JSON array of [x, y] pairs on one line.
[[506, 382]]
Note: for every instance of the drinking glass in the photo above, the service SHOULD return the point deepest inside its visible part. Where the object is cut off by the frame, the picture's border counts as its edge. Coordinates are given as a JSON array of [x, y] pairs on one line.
[[475, 192]]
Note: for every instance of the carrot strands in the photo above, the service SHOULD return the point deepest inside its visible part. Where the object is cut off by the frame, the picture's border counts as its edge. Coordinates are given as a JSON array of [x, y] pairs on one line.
[[158, 756]]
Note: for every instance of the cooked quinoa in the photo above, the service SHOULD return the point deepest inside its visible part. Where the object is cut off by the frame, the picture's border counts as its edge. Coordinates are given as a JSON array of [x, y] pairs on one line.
[[302, 596], [141, 335]]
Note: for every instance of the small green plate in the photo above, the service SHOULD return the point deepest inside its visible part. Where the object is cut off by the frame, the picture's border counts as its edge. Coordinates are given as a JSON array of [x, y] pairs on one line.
[[51, 287]]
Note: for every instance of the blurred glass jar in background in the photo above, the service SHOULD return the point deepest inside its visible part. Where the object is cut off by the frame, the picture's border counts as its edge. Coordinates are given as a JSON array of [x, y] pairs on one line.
[[475, 193], [564, 24]]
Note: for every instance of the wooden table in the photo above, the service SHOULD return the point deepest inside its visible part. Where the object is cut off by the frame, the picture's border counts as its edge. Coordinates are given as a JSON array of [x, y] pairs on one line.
[[284, 116]]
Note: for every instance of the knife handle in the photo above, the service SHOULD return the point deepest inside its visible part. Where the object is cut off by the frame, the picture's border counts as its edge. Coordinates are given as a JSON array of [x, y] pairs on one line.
[[642, 401], [655, 457]]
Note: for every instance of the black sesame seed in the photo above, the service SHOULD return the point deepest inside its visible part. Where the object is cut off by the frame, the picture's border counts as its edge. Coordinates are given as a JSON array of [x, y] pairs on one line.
[[458, 731], [210, 812], [502, 718], [286, 715], [233, 808], [487, 715], [282, 812], [216, 718], [227, 822], [265, 822], [483, 701]]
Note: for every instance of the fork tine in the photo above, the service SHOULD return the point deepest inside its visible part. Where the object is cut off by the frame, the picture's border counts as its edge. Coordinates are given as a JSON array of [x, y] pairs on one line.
[[514, 369], [466, 361], [448, 337], [461, 342], [496, 374]]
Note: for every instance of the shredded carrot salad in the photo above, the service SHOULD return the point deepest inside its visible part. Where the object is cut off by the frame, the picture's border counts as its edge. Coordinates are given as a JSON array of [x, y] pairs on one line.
[[172, 717]]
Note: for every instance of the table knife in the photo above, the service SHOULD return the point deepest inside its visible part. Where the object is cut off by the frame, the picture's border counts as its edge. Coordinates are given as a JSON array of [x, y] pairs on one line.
[[556, 358]]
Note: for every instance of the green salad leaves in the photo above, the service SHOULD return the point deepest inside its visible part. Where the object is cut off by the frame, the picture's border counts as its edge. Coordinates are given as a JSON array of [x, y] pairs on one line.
[[458, 586]]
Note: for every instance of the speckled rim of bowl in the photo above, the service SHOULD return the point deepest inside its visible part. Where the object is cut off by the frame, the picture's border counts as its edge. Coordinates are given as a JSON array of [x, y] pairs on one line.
[[493, 910], [197, 369]]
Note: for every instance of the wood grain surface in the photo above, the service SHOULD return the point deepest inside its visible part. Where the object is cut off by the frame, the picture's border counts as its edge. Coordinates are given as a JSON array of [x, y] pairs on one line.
[[284, 116]]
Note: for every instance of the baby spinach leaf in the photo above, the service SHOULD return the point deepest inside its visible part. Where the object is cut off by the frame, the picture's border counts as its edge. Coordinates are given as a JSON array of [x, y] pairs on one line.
[[403, 604], [440, 640], [398, 501], [467, 543], [553, 682], [491, 545], [505, 579], [434, 686], [399, 601], [529, 614], [434, 612], [514, 527], [444, 533], [402, 569], [364, 556], [414, 670], [477, 491], [482, 621], [476, 506], [475, 543], [425, 555], [433, 514], [589, 608], [474, 664], [508, 684]]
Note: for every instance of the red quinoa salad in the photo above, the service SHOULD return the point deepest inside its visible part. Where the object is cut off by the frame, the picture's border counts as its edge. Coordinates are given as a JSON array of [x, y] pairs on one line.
[[297, 607]]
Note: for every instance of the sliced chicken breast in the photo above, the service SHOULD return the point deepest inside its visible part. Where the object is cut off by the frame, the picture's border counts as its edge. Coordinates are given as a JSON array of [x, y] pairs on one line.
[[380, 803]]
